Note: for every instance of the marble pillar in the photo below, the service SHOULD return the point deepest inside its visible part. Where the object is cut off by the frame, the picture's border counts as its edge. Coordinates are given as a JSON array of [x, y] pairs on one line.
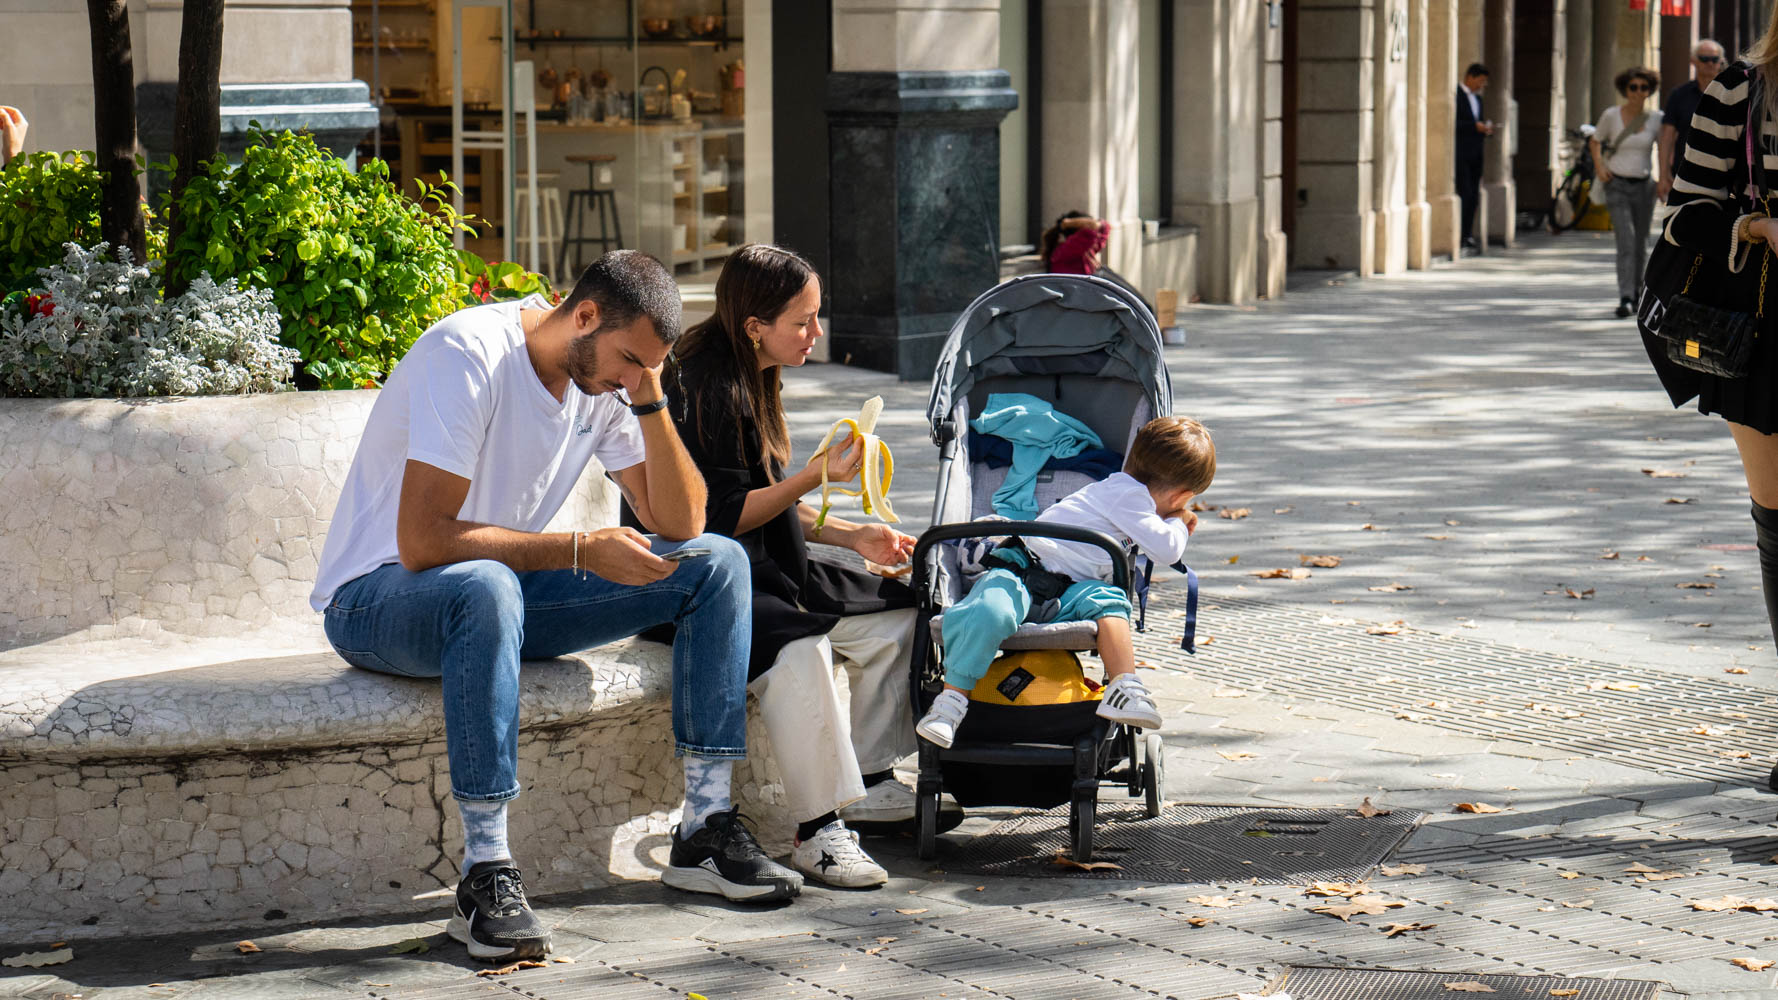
[[1335, 219], [1443, 67], [1501, 203], [1419, 209], [1216, 142], [1578, 71], [1090, 118], [1389, 133], [1274, 246], [914, 106]]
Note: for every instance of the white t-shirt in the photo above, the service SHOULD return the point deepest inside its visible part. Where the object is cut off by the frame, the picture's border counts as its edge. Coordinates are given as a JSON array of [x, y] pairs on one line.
[[467, 400], [1122, 508], [1634, 155]]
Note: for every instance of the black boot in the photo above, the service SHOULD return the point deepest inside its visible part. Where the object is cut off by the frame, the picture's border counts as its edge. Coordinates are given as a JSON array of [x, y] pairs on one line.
[[1765, 526]]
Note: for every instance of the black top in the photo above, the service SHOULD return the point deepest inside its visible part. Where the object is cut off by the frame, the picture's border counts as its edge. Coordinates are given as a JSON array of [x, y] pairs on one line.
[[1469, 141], [794, 597], [1681, 105]]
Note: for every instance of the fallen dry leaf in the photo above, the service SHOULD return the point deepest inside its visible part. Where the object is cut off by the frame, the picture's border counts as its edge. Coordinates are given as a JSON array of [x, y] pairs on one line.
[[874, 951], [1284, 510], [1439, 538], [1734, 903], [1663, 474], [1734, 670], [412, 946], [1662, 876], [246, 947], [1221, 902], [1064, 861], [1610, 555], [1644, 559], [1370, 527], [1408, 869], [1394, 929], [38, 959], [563, 960], [1347, 889], [1614, 686], [1695, 585], [1735, 754], [1389, 588], [1579, 595], [1712, 731], [886, 940], [1680, 500], [1235, 755], [1476, 807], [1366, 810], [1199, 505], [1298, 573], [910, 913], [1752, 964], [1393, 628], [507, 970], [1564, 993], [1228, 693], [1452, 523], [1371, 905], [1570, 875], [1320, 562], [1199, 921], [1640, 867], [1234, 513], [1583, 904], [1469, 988]]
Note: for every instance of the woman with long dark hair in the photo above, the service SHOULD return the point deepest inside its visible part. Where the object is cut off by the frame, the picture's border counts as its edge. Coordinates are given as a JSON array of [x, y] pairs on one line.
[[1713, 212], [807, 615]]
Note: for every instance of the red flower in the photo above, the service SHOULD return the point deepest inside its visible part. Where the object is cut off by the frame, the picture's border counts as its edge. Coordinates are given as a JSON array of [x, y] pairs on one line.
[[40, 305]]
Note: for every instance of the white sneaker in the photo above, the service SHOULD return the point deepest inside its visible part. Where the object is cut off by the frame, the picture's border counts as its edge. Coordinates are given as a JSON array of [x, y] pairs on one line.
[[940, 722], [887, 801], [834, 857], [1126, 700]]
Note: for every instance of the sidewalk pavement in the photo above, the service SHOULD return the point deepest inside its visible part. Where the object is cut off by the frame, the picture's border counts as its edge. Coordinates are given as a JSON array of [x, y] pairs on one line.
[[1507, 628]]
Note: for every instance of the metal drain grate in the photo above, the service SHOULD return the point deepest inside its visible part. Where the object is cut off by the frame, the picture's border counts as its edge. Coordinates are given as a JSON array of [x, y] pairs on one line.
[[1661, 722], [1195, 844], [1381, 984]]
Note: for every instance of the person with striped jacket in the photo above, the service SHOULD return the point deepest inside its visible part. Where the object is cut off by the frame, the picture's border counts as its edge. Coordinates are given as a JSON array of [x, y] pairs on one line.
[[1713, 213]]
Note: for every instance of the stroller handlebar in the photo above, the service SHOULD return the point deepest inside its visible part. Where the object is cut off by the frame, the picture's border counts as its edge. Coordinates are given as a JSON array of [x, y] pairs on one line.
[[1121, 574]]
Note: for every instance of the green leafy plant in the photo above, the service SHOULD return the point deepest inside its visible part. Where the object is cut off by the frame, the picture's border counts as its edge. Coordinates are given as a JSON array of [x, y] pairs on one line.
[[358, 270], [46, 200], [501, 281]]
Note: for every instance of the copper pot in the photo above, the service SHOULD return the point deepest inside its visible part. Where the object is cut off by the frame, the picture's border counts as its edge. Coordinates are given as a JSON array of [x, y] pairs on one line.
[[704, 25], [564, 90], [657, 27]]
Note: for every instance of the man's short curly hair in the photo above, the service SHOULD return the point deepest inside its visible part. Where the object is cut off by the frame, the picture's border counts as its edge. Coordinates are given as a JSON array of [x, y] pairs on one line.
[[1622, 80]]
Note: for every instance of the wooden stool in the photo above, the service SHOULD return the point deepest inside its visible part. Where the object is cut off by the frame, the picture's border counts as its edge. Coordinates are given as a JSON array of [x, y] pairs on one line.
[[597, 200], [549, 216]]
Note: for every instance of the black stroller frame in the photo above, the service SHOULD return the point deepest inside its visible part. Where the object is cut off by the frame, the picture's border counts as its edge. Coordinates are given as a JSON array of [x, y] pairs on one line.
[[1095, 754]]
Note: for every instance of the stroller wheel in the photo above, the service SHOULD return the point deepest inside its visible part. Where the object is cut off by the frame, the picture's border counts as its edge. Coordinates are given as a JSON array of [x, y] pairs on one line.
[[926, 817], [1080, 822], [1154, 774]]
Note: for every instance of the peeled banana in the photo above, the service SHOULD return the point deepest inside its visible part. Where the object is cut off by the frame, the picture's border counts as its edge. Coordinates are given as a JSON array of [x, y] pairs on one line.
[[879, 466]]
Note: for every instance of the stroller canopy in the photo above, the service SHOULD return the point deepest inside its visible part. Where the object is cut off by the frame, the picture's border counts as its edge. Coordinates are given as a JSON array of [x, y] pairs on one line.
[[1051, 324]]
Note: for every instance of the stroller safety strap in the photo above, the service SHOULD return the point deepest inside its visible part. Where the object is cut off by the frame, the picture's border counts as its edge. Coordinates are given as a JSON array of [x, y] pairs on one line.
[[1189, 642]]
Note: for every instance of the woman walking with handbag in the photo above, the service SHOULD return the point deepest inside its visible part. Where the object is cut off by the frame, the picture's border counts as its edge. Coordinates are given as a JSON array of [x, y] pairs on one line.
[[1714, 340], [1623, 159]]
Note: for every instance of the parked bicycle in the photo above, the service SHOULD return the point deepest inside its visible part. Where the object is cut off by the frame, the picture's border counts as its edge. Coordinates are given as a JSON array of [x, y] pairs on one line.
[[1575, 192]]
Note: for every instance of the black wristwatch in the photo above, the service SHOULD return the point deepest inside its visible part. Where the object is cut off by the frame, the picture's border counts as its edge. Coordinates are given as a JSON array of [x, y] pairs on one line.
[[644, 409]]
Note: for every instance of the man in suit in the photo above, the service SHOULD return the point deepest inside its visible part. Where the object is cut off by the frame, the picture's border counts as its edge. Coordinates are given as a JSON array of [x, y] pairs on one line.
[[1472, 130]]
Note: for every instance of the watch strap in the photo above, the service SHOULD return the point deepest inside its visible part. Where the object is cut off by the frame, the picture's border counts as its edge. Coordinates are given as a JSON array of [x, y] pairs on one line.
[[644, 409]]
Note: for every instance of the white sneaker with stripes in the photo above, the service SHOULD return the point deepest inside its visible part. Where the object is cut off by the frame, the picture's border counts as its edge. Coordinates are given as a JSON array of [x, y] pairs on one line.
[[1126, 700]]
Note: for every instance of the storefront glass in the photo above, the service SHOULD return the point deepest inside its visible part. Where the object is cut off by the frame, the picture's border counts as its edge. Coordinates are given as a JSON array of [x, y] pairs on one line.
[[640, 122]]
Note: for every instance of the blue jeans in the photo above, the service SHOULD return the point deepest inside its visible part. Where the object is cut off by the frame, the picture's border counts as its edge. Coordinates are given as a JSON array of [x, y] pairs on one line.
[[470, 623], [995, 608]]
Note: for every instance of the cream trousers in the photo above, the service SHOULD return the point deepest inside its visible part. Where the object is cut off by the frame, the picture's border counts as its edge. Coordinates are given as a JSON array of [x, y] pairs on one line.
[[822, 755]]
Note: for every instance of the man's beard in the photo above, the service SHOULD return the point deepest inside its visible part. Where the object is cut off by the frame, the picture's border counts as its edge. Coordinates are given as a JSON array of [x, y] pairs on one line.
[[582, 364]]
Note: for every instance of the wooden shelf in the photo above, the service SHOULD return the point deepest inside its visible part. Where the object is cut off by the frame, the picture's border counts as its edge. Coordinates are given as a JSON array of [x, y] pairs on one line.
[[415, 46], [717, 190]]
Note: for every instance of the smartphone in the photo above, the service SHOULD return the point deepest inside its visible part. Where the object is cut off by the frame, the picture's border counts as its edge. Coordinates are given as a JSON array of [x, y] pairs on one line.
[[678, 555]]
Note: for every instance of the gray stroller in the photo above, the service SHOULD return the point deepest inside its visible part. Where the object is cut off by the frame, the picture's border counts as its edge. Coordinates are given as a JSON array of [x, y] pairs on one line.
[[1092, 349]]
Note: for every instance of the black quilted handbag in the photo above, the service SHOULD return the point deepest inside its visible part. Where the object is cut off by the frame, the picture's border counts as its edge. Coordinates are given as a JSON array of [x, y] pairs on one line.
[[1712, 339]]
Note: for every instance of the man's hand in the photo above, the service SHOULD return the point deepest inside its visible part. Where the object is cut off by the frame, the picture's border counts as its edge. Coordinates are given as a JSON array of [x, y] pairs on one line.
[[648, 386], [1665, 186], [883, 545], [13, 127], [621, 555], [1485, 128]]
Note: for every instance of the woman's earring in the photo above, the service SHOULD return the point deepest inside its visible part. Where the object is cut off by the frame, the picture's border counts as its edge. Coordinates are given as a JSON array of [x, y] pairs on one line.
[[755, 343]]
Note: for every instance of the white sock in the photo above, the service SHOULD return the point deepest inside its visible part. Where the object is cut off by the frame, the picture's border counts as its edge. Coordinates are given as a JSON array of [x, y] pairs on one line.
[[484, 832], [706, 791]]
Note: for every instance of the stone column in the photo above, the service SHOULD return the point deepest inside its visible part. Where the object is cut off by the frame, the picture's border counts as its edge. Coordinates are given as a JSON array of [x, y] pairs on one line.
[[1216, 166], [1335, 223], [1389, 161], [1578, 72], [1540, 83], [914, 106], [1445, 230], [307, 84], [1419, 211], [1090, 116], [1274, 247], [1501, 204]]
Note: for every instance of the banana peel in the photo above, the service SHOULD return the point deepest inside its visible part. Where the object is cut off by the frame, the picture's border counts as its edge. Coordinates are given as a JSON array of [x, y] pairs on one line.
[[874, 477]]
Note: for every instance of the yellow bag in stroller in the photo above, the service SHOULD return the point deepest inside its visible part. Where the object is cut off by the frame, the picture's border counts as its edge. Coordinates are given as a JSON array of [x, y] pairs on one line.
[[1035, 677]]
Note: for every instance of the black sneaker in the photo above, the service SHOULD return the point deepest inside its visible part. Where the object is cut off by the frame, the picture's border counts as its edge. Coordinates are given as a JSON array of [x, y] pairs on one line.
[[493, 918], [724, 859], [1625, 307]]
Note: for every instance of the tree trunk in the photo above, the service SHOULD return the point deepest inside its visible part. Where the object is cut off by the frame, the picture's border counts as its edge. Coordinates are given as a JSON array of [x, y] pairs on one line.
[[114, 126], [197, 122]]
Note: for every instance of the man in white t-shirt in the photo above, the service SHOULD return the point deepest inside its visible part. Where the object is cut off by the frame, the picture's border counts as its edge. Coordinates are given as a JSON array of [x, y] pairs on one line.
[[437, 564]]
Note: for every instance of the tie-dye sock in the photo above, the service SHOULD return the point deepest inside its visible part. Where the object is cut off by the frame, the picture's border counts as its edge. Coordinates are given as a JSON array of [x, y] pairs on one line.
[[706, 791], [484, 832]]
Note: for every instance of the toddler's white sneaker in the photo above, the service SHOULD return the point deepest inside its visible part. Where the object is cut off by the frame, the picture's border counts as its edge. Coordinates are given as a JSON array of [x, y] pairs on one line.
[[1126, 700], [940, 722]]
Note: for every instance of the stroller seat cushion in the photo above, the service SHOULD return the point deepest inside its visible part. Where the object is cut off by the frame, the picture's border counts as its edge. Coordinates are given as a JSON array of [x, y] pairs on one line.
[[1050, 635]]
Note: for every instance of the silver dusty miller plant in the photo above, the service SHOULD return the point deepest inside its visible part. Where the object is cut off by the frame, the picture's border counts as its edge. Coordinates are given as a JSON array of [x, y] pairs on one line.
[[110, 334]]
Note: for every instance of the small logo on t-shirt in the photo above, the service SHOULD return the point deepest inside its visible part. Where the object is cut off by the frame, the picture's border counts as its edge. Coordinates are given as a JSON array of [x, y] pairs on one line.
[[584, 429]]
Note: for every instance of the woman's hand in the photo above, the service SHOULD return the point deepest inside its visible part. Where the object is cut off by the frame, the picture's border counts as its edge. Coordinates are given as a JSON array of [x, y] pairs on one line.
[[1604, 173], [1765, 230], [842, 464], [882, 544]]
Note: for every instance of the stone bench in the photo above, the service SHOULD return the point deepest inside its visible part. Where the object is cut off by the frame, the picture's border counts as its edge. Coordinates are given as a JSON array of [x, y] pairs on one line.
[[180, 748]]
